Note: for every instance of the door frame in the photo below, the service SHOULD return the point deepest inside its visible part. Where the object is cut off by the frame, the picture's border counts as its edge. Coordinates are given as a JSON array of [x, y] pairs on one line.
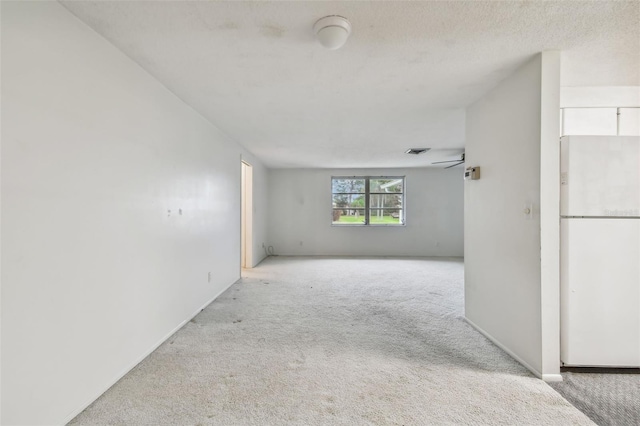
[[246, 215]]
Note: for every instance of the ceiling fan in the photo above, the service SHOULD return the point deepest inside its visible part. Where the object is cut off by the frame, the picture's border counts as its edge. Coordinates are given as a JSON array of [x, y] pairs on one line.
[[458, 162]]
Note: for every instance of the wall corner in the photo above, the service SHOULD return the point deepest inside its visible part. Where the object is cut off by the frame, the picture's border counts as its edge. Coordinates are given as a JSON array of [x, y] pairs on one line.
[[549, 213]]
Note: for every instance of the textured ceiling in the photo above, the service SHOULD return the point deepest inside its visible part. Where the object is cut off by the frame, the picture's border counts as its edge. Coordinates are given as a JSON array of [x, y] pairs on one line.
[[402, 80]]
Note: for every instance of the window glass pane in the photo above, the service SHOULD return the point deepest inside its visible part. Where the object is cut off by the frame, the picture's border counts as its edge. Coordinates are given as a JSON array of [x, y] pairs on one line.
[[366, 200], [347, 185], [385, 185], [385, 217], [348, 200], [348, 217], [386, 200]]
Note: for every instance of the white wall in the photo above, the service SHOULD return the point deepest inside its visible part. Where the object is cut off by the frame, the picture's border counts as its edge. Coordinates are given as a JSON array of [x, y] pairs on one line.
[[95, 270], [503, 277], [300, 215]]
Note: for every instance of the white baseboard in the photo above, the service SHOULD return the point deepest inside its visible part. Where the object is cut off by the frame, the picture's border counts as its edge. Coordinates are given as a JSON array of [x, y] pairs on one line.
[[260, 261], [545, 377], [552, 377], [155, 346]]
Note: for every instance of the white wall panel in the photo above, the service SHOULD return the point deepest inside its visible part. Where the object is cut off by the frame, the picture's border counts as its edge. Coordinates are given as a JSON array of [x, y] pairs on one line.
[[509, 130], [300, 215], [118, 200]]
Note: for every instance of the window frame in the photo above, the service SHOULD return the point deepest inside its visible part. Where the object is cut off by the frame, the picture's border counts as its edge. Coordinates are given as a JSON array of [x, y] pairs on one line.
[[367, 199]]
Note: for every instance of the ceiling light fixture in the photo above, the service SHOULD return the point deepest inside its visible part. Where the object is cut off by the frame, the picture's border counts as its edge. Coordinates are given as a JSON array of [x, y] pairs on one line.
[[332, 31], [416, 151]]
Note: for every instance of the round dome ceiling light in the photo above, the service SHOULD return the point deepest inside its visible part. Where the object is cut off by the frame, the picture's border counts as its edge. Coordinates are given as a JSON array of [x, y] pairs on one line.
[[332, 31]]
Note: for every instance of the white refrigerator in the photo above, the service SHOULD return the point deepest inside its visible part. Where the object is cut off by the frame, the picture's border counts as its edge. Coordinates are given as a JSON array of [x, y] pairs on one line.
[[600, 251]]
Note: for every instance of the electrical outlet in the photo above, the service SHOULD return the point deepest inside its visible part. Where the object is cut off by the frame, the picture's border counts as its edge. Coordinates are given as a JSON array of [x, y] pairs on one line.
[[209, 277]]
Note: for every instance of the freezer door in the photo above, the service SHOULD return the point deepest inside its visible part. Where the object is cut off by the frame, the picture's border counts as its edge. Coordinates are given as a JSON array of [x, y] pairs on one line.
[[600, 176], [600, 292]]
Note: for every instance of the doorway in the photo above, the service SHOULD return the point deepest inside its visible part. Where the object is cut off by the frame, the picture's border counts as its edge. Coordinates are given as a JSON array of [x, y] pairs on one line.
[[246, 215]]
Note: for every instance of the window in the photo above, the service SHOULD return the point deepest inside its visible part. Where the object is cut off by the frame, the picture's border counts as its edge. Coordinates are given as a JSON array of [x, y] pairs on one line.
[[365, 200]]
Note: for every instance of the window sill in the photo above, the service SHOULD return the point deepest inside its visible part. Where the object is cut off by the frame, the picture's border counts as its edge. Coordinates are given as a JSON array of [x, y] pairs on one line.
[[377, 225]]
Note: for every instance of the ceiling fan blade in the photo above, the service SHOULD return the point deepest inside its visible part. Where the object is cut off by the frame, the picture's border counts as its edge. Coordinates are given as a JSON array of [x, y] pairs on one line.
[[453, 165], [450, 161]]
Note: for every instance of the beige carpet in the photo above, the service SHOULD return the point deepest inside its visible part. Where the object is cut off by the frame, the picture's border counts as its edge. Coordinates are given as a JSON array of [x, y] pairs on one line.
[[333, 341]]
